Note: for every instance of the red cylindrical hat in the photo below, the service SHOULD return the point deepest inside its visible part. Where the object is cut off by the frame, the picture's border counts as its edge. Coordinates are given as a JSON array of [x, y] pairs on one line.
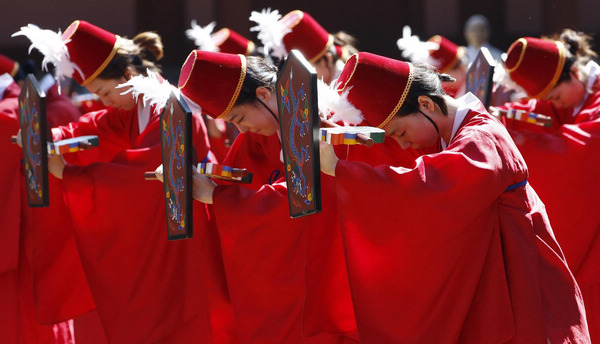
[[447, 55], [306, 35], [232, 42], [213, 80], [535, 64], [7, 65], [90, 48], [376, 85]]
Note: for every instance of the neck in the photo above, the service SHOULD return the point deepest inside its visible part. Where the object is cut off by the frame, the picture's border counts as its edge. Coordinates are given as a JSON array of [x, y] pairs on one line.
[[446, 123]]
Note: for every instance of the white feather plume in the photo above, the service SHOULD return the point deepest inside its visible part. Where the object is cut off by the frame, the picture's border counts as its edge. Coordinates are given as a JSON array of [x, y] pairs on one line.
[[152, 90], [54, 49], [270, 31], [415, 50], [202, 36], [336, 107]]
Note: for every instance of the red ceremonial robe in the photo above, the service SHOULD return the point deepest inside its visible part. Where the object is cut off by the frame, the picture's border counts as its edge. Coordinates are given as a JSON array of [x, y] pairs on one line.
[[564, 166], [18, 321], [264, 249], [444, 253], [146, 288]]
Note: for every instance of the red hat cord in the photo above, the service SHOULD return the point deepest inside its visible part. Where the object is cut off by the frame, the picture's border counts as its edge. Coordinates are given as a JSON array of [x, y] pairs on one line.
[[536, 64], [8, 65], [212, 80]]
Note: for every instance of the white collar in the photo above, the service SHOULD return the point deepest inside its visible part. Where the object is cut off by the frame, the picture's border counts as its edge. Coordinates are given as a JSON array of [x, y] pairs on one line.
[[465, 103], [593, 70], [5, 81], [143, 113]]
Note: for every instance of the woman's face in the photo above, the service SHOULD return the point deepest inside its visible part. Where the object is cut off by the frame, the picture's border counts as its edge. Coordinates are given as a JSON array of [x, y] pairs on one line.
[[110, 95], [567, 94], [411, 131], [325, 68], [253, 117]]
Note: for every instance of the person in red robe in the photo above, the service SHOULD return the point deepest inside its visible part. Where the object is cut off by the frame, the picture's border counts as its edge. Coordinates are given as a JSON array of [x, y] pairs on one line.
[[22, 320], [264, 264], [145, 288], [440, 52], [458, 249], [562, 80], [300, 31]]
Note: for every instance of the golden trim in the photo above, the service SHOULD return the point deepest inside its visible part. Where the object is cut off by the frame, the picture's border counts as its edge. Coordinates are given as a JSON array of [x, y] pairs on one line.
[[524, 41], [195, 53], [300, 17], [105, 63], [250, 48], [457, 57], [561, 64], [402, 99], [351, 75], [15, 69], [238, 88], [320, 54]]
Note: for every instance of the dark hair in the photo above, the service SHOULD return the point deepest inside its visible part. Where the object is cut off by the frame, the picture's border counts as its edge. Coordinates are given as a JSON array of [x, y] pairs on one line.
[[259, 73], [579, 51], [426, 82], [141, 53], [348, 44]]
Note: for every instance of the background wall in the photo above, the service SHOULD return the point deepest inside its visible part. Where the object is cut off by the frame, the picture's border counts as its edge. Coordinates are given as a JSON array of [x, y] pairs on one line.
[[377, 25]]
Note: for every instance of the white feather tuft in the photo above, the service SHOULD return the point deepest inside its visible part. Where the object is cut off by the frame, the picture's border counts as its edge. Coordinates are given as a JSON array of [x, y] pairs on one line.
[[270, 31], [415, 50], [54, 49], [336, 107], [202, 36], [152, 90]]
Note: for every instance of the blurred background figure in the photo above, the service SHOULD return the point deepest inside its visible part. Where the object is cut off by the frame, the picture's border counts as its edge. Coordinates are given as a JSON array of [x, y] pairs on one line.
[[477, 33]]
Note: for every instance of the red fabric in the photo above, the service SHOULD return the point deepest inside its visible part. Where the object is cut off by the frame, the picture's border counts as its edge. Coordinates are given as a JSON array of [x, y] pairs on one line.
[[18, 322], [59, 108], [11, 180], [212, 80], [89, 47], [447, 55], [306, 35], [8, 65], [265, 257], [145, 288], [232, 42], [376, 85], [564, 169], [535, 64], [442, 254]]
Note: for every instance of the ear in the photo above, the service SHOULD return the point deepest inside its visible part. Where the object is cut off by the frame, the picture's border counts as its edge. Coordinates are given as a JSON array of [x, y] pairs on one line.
[[263, 93], [575, 72], [425, 103]]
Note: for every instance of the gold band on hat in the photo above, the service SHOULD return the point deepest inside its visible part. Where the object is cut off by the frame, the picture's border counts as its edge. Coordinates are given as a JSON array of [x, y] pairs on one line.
[[105, 63], [238, 88], [561, 64], [402, 98]]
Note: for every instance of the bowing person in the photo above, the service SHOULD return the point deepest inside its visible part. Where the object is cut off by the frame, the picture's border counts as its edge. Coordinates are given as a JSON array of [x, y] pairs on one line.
[[561, 79], [459, 248], [145, 288]]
